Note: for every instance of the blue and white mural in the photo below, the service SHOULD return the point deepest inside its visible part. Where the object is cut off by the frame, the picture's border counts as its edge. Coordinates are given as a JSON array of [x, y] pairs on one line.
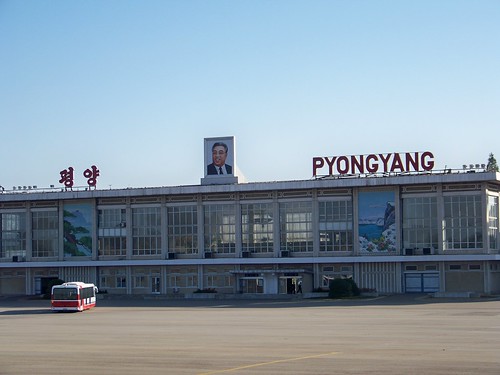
[[377, 222]]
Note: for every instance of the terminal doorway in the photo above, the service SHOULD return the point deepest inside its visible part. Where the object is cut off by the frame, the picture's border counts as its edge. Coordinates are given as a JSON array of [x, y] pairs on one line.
[[155, 284], [252, 285], [290, 284], [42, 284], [422, 282]]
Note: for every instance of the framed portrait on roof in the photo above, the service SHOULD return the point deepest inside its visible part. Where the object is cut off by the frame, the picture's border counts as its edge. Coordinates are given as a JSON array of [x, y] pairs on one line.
[[219, 157]]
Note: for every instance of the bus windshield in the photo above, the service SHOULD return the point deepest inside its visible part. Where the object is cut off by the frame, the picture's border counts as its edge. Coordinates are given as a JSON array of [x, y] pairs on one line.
[[65, 293]]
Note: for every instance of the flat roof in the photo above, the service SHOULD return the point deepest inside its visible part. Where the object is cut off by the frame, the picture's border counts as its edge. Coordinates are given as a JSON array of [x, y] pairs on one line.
[[330, 182]]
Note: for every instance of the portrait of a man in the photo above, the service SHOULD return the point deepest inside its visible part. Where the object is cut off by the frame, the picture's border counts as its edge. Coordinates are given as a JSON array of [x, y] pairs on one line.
[[219, 156]]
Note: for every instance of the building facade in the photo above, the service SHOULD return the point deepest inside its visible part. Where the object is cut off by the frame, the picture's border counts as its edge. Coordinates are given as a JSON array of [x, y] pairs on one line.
[[422, 232]]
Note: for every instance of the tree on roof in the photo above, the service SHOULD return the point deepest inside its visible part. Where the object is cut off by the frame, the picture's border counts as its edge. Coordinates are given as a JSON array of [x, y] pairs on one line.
[[492, 164]]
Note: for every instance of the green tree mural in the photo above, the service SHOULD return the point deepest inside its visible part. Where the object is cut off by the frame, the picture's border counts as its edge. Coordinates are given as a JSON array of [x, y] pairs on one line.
[[77, 238]]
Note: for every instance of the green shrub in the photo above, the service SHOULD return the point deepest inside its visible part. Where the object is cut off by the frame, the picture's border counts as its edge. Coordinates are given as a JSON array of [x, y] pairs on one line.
[[341, 288]]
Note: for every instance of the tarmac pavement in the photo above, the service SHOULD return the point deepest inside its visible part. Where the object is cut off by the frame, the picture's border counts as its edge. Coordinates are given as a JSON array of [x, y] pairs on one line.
[[402, 334]]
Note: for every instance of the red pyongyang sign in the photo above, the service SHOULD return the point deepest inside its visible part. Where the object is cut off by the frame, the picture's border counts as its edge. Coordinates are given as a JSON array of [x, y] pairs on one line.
[[373, 163]]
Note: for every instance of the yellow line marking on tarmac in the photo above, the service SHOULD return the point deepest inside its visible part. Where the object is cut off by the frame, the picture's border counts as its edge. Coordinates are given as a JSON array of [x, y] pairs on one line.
[[268, 363]]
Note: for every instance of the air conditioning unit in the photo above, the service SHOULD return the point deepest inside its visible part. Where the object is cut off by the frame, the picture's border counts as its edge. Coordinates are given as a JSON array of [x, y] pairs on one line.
[[426, 251], [408, 251], [172, 255], [208, 254], [285, 253], [245, 254]]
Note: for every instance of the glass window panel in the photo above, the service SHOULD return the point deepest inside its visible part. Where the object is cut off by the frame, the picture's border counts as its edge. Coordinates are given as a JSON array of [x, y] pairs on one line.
[[220, 228], [257, 227], [463, 222], [112, 232], [420, 227], [13, 235], [335, 226], [182, 229], [295, 226], [45, 239], [146, 237]]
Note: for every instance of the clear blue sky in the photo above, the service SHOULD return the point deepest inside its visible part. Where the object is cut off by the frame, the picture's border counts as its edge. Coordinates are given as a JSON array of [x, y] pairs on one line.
[[135, 86]]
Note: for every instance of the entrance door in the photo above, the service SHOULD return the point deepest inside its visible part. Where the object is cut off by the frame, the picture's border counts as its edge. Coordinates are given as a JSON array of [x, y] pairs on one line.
[[42, 284], [422, 282], [252, 285], [430, 282], [155, 284], [290, 284], [38, 285]]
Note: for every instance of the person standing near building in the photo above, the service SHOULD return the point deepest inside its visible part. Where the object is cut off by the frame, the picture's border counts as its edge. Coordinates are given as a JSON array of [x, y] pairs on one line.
[[219, 155]]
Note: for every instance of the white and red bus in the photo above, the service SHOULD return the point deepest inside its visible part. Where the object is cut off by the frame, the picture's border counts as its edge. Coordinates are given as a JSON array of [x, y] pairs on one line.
[[73, 296]]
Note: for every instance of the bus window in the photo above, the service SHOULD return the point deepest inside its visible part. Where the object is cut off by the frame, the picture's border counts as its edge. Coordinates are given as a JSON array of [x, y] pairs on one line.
[[65, 294]]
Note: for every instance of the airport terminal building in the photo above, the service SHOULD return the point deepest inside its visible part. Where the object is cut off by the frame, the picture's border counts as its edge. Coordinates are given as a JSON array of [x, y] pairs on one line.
[[391, 222]]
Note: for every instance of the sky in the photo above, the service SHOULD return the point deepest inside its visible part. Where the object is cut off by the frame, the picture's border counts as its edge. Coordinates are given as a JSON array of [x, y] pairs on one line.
[[134, 87]]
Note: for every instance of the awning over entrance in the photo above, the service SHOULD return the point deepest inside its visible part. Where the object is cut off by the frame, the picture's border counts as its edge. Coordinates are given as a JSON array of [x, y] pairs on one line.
[[267, 271]]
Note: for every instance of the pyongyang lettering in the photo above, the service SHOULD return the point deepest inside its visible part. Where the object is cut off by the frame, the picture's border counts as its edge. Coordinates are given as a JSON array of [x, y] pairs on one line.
[[373, 163]]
